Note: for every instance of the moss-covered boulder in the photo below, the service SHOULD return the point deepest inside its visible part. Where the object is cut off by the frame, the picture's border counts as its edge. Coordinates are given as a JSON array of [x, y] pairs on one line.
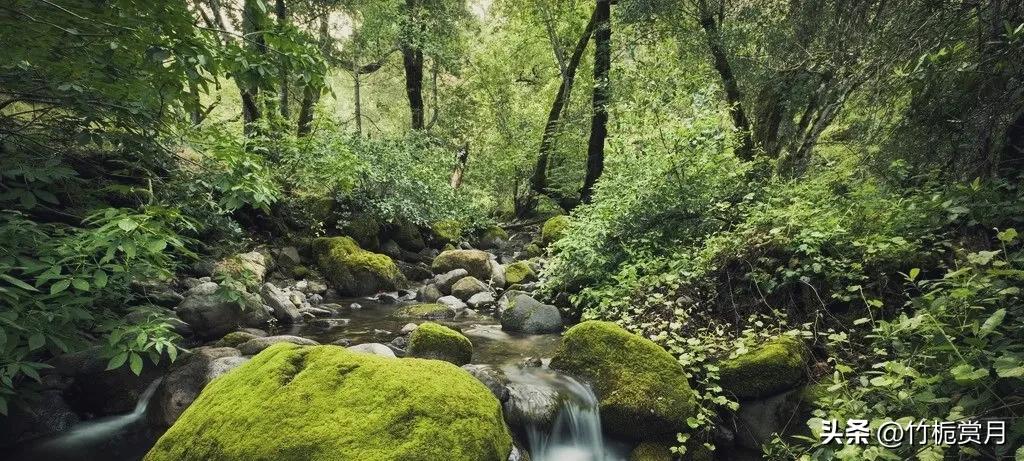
[[292, 403], [642, 390], [235, 339], [365, 230], [407, 235], [519, 272], [476, 262], [554, 229], [249, 269], [354, 271], [447, 231], [652, 451], [427, 311], [492, 237], [433, 341], [778, 365], [467, 287], [533, 250]]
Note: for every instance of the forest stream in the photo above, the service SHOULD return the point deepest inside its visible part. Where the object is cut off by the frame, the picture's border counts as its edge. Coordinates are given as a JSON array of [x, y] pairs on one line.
[[573, 435]]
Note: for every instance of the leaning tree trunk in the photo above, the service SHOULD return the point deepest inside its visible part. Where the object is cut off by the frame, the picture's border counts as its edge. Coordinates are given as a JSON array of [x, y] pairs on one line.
[[602, 91], [733, 96], [539, 181]]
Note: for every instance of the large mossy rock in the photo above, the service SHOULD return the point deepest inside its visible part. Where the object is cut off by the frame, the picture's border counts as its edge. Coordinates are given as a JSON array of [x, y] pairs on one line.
[[642, 390], [476, 262], [554, 229], [292, 403], [467, 287], [427, 311], [447, 231], [778, 365], [248, 268], [519, 272], [354, 271], [433, 341]]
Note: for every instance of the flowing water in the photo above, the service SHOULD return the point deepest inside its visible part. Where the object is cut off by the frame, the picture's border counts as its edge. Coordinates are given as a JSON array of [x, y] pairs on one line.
[[120, 437], [575, 434]]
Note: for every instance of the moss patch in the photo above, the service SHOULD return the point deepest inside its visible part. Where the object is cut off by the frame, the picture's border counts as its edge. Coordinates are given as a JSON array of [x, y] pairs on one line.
[[354, 271], [427, 311], [476, 262], [554, 229], [533, 250], [235, 338], [778, 365], [300, 272], [433, 341], [293, 403], [643, 392], [447, 231], [519, 272], [365, 229], [651, 451]]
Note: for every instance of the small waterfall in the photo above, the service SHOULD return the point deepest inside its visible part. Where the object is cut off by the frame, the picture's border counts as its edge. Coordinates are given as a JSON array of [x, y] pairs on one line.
[[575, 434], [119, 437]]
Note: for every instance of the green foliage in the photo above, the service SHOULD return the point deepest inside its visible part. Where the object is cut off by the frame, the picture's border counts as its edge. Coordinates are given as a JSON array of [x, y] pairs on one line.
[[62, 285], [954, 354]]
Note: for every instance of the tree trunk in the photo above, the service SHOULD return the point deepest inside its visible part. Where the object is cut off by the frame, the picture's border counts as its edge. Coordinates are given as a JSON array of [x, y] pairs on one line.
[[310, 95], [252, 26], [282, 21], [538, 182], [412, 61], [602, 92], [733, 96]]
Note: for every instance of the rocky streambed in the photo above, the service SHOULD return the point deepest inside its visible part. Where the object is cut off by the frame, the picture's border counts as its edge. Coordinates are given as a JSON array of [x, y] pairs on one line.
[[310, 364]]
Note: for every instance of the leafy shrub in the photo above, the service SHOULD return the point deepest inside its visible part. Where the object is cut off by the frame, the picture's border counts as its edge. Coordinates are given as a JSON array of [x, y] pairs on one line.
[[63, 285], [954, 354]]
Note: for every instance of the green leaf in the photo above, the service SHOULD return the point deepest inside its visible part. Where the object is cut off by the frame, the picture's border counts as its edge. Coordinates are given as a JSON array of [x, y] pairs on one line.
[[172, 352], [992, 323], [914, 273], [18, 283], [60, 286], [30, 372], [80, 284], [127, 224], [136, 364], [36, 341], [1007, 235], [117, 361], [1009, 366], [99, 278], [157, 245]]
